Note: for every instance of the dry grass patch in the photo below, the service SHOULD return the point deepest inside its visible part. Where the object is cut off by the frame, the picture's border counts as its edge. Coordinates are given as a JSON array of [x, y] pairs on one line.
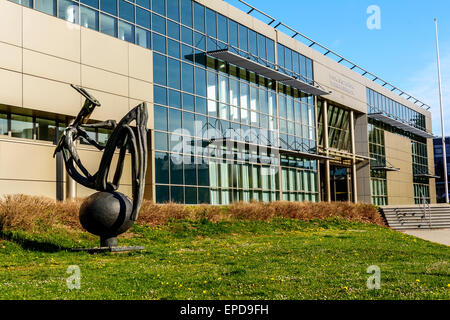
[[30, 212]]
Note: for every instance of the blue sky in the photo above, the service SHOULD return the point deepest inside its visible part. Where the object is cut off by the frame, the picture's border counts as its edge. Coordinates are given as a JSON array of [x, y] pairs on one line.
[[402, 52]]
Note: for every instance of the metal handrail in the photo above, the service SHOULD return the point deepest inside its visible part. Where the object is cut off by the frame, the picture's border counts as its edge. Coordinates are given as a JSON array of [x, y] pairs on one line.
[[340, 58], [426, 207]]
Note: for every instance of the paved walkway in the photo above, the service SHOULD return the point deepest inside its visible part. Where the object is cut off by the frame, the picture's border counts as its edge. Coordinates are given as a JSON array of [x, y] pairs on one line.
[[441, 236]]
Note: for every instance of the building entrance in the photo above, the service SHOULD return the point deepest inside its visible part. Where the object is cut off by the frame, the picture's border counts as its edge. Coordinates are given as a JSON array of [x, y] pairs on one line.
[[340, 183]]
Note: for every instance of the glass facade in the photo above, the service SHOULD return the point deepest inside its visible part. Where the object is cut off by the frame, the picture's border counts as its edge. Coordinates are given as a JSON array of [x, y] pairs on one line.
[[438, 164], [378, 178], [420, 166], [199, 99], [378, 103], [338, 127]]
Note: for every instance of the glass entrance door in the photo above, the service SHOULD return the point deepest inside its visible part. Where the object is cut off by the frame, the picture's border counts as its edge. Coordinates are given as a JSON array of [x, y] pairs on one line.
[[340, 183]]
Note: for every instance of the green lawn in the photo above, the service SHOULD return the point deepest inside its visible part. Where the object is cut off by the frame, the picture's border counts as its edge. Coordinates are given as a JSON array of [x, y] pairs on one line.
[[284, 259]]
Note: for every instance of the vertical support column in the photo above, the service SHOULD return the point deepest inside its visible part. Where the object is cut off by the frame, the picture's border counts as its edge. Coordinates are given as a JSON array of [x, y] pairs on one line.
[[354, 179], [60, 174], [71, 188], [280, 178], [316, 124], [326, 146], [71, 185]]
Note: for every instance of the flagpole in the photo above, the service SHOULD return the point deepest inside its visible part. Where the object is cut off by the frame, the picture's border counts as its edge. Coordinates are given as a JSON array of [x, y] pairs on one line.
[[444, 151]]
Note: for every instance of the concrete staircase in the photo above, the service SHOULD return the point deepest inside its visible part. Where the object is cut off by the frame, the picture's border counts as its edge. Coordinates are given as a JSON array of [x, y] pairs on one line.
[[437, 216]]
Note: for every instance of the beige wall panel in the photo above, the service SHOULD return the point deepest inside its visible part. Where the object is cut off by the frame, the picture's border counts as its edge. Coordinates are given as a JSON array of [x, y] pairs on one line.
[[32, 188], [52, 96], [103, 51], [93, 78], [10, 88], [140, 63], [50, 35], [15, 161], [10, 57], [10, 22], [45, 66], [400, 184], [344, 90], [141, 90], [112, 107]]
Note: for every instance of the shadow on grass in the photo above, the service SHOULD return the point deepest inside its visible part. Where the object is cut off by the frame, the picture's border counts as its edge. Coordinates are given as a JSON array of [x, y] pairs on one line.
[[34, 245]]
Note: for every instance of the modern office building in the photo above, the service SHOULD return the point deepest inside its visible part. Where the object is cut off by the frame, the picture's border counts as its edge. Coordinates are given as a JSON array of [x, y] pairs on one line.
[[439, 165], [239, 109]]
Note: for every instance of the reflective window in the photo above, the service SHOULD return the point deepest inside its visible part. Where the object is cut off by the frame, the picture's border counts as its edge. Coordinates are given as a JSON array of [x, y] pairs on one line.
[[173, 10], [188, 78], [68, 10], [186, 12], [222, 25], [159, 43], [21, 126], [199, 17], [89, 18], [143, 18], [243, 38], [126, 31], [173, 30], [161, 142], [176, 171], [160, 118], [174, 80], [46, 6], [159, 6], [108, 25], [177, 194], [162, 163], [3, 124], [211, 23], [45, 129], [162, 194], [109, 6], [173, 48], [191, 196], [143, 38], [186, 35], [159, 69], [160, 94], [91, 3], [142, 3]]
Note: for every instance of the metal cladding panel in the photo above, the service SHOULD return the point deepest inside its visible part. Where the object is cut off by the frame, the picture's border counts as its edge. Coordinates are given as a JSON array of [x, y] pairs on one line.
[[426, 175], [398, 124], [391, 169], [268, 72]]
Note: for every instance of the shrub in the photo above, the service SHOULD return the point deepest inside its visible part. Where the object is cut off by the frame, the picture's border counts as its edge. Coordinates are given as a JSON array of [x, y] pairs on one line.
[[30, 212]]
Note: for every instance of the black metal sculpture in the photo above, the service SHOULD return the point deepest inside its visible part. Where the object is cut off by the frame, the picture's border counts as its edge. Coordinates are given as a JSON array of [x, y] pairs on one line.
[[108, 213]]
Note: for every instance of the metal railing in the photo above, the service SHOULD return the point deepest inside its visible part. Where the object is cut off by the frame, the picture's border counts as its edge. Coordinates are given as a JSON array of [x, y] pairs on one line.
[[426, 208], [336, 57]]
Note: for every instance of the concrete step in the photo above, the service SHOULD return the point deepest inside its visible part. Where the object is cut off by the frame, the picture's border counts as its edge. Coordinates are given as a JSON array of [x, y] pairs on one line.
[[415, 217]]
